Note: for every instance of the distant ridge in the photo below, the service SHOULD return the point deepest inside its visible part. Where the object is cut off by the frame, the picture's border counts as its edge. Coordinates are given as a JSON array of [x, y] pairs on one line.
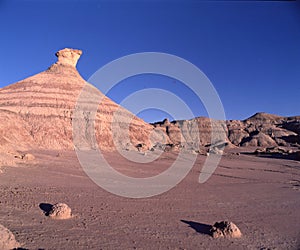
[[264, 116]]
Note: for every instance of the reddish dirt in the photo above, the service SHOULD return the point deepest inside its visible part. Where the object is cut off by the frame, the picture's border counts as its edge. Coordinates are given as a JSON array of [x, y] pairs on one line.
[[260, 195]]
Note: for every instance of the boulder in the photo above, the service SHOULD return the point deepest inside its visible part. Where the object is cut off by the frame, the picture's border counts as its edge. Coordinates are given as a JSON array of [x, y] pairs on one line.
[[225, 229], [28, 157], [60, 211], [7, 239]]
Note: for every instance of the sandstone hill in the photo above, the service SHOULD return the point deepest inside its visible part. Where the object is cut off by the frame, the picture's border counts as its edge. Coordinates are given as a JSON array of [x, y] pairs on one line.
[[261, 130], [39, 112]]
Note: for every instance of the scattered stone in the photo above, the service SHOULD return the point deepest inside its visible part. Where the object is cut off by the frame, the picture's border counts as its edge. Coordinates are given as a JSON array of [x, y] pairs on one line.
[[7, 239], [29, 157], [60, 211], [280, 150], [259, 151], [26, 157], [216, 151], [19, 156], [225, 229], [141, 147]]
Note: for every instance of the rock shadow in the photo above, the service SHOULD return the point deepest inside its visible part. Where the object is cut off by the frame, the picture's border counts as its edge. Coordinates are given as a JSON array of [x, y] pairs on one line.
[[46, 208], [199, 227], [21, 248], [295, 156]]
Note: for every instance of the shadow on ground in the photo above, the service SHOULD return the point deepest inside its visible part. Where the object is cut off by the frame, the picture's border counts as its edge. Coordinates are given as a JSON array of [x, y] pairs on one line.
[[199, 227], [46, 208], [292, 156]]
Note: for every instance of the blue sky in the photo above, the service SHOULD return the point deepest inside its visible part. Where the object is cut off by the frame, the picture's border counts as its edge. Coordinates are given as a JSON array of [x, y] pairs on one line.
[[250, 50]]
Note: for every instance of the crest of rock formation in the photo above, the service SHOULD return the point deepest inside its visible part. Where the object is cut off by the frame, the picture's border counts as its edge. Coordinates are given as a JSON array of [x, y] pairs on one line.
[[68, 56]]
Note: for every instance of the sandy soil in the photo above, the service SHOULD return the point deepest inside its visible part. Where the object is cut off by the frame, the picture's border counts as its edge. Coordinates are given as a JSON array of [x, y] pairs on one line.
[[260, 195]]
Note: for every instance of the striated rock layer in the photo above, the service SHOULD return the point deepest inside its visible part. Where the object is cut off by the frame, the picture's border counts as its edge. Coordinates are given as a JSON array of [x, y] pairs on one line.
[[37, 112], [40, 112], [260, 130]]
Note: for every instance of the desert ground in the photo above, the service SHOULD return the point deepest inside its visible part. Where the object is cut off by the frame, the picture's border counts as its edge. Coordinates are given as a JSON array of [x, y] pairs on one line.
[[259, 194]]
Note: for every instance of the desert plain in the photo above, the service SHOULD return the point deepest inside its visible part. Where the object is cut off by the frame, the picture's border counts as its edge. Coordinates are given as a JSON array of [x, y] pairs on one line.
[[259, 194], [256, 184]]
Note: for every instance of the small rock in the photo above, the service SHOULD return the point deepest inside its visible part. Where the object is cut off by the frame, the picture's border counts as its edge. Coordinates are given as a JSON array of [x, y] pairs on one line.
[[60, 211], [216, 151], [7, 239], [28, 157], [141, 147], [225, 229], [19, 156], [259, 151]]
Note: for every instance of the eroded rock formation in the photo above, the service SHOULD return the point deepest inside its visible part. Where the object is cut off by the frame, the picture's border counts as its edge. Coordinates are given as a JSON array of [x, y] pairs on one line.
[[40, 112]]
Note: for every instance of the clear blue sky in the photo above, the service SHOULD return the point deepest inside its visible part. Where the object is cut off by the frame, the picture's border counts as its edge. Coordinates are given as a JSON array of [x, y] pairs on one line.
[[250, 50]]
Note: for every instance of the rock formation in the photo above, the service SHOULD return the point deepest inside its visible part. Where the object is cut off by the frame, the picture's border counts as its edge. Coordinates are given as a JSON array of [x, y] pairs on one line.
[[60, 211], [225, 229], [260, 130], [7, 239], [37, 112], [40, 111], [68, 56]]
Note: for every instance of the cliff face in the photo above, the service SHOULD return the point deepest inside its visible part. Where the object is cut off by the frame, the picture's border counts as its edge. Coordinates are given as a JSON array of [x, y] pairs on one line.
[[39, 112]]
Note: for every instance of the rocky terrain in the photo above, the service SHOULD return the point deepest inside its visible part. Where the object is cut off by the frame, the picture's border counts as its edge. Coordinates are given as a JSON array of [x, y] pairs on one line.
[[261, 130], [260, 195], [38, 113], [49, 202]]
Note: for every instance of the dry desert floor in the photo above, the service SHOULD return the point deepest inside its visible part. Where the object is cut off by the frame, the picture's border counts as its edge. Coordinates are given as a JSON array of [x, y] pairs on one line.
[[260, 195]]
